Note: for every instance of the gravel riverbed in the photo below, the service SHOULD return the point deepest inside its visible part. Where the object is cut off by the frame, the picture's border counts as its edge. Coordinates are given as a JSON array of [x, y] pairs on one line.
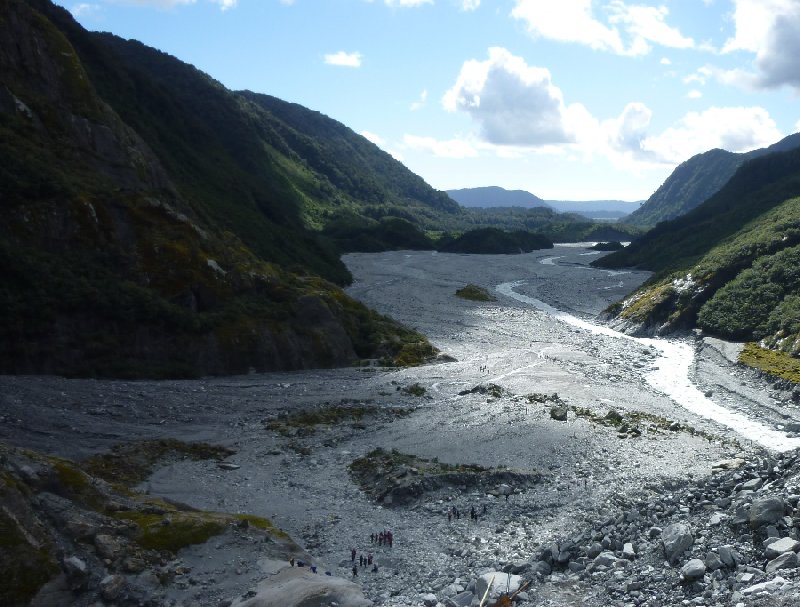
[[604, 489]]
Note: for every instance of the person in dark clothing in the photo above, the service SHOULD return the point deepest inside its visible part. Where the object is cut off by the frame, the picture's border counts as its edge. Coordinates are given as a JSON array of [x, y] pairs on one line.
[[353, 555], [355, 571]]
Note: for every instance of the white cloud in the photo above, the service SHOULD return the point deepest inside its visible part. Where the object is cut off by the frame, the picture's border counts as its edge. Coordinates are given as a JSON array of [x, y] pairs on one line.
[[407, 3], [452, 148], [470, 5], [226, 4], [797, 127], [567, 21], [665, 61], [694, 94], [768, 28], [646, 24], [376, 139], [85, 9], [512, 102], [344, 59], [420, 103], [736, 129], [574, 21]]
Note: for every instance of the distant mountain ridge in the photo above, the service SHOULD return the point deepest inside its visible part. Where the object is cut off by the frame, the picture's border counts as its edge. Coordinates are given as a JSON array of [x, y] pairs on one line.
[[494, 196], [696, 180], [497, 197]]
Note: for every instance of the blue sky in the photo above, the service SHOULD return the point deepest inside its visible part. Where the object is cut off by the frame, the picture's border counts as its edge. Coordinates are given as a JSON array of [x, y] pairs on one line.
[[568, 99]]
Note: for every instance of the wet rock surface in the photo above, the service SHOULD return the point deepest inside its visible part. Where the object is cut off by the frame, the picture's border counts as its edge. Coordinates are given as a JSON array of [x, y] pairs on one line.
[[625, 467]]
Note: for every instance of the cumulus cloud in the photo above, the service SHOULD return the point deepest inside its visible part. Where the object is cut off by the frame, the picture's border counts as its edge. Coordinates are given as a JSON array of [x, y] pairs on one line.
[[167, 4], [665, 61], [512, 102], [768, 28], [376, 139], [736, 129], [470, 5], [625, 30], [694, 94], [226, 4], [452, 148], [344, 59]]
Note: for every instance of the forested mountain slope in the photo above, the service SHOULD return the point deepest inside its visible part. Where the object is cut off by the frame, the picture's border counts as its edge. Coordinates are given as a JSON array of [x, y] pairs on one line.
[[696, 180], [156, 223], [731, 265]]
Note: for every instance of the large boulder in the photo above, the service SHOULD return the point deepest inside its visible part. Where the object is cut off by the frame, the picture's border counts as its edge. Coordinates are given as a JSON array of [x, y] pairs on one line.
[[693, 570], [766, 511], [778, 547], [299, 587], [788, 560], [677, 538]]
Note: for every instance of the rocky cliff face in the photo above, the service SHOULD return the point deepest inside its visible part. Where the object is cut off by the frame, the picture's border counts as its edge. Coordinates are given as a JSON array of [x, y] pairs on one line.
[[109, 269]]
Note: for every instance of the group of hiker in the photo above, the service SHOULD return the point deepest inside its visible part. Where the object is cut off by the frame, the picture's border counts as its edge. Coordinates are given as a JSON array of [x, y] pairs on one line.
[[299, 563], [383, 538], [455, 513]]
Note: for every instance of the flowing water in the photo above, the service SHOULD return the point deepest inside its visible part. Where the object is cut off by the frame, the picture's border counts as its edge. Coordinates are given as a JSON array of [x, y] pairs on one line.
[[670, 375]]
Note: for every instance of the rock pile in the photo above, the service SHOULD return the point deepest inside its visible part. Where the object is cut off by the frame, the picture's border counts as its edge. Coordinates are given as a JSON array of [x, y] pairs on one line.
[[729, 539]]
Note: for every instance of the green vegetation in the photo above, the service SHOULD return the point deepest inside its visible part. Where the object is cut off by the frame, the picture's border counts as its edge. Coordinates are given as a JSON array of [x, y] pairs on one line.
[[607, 246], [697, 180], [474, 293], [381, 461], [130, 464], [415, 390], [730, 265], [493, 241], [331, 415], [777, 364]]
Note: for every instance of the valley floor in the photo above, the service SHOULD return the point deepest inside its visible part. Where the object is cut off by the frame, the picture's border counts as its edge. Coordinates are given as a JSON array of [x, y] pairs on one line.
[[300, 480]]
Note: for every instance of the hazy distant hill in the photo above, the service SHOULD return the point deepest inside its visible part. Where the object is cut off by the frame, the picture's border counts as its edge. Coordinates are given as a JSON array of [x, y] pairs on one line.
[[497, 197], [156, 223], [729, 266], [696, 180], [493, 196], [596, 209]]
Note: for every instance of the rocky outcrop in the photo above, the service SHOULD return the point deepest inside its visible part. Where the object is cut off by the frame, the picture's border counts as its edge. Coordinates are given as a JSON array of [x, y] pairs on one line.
[[72, 539]]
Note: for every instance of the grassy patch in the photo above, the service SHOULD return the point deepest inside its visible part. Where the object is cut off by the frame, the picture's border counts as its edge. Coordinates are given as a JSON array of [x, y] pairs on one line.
[[775, 363], [415, 390], [380, 461], [474, 293], [131, 463], [331, 415]]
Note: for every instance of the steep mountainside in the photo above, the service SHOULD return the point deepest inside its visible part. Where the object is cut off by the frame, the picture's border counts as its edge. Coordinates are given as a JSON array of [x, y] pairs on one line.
[[730, 266], [493, 196], [149, 223], [696, 180]]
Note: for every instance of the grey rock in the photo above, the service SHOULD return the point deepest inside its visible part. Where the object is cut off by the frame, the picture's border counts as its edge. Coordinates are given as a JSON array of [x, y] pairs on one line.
[[778, 547], [693, 570], [595, 549], [462, 599], [753, 484], [429, 600], [559, 413], [541, 568], [713, 562], [766, 511], [605, 559], [628, 552], [788, 560], [111, 587], [726, 556], [676, 538]]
